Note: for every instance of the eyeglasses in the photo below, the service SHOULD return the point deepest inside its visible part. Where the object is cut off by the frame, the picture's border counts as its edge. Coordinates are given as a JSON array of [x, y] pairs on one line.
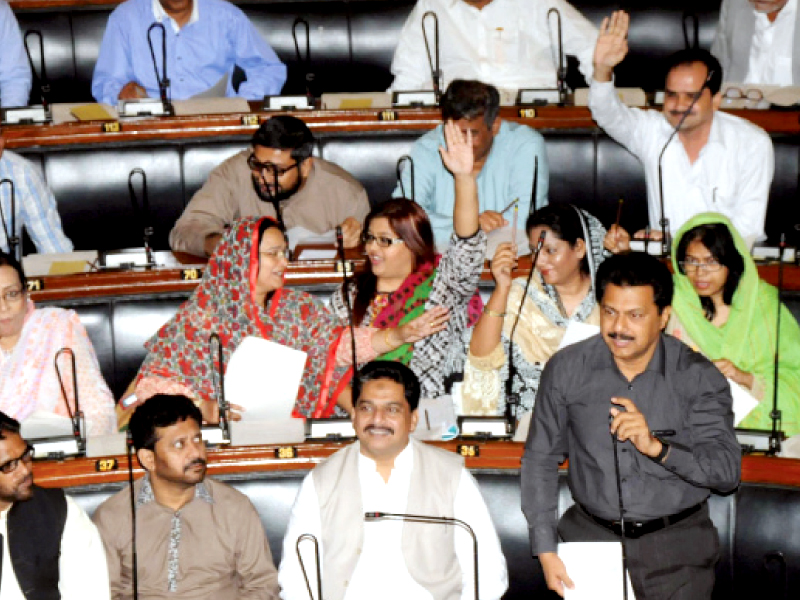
[[277, 253], [382, 241], [693, 265], [268, 167], [11, 465], [12, 296]]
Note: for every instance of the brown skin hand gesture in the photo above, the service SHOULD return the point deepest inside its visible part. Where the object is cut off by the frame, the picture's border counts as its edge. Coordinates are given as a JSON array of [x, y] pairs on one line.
[[612, 45]]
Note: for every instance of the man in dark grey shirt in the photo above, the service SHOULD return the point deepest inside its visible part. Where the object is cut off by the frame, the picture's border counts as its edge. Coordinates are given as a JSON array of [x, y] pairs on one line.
[[632, 379]]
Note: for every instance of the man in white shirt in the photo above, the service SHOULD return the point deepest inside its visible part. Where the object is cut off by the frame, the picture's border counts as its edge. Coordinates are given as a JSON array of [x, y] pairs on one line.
[[392, 559], [757, 43], [716, 163], [510, 44], [50, 547]]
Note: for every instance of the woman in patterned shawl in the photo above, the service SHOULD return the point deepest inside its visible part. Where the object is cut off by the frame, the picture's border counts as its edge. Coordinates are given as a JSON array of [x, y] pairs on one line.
[[404, 277], [560, 293]]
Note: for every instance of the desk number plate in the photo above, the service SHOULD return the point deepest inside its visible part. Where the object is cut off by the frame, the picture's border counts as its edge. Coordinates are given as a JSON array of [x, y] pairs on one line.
[[191, 274], [250, 120], [35, 285], [286, 452], [104, 465], [468, 450], [111, 127], [388, 115]]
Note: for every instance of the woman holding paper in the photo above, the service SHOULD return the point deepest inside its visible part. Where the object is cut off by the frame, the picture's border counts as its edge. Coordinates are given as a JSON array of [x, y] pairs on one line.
[[30, 338], [404, 276], [722, 309], [560, 294]]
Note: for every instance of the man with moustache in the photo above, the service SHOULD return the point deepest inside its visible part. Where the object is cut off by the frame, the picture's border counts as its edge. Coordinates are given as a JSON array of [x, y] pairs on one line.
[[386, 471], [278, 177], [50, 548], [716, 163], [195, 538], [630, 382], [757, 41]]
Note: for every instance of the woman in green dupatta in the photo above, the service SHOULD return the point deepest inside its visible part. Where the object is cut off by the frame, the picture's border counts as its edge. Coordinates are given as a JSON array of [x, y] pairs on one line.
[[722, 309]]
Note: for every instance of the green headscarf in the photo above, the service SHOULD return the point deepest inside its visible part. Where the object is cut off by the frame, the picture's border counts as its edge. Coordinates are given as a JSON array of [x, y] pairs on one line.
[[748, 337]]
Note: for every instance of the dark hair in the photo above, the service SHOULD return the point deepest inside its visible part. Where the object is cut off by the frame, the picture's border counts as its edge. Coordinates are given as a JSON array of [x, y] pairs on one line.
[[411, 223], [9, 261], [565, 222], [161, 410], [464, 99], [286, 133], [718, 240], [689, 56], [636, 269], [8, 425], [388, 369]]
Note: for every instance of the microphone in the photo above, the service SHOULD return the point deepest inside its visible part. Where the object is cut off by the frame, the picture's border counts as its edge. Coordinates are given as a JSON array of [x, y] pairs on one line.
[[561, 71], [695, 28], [664, 222], [161, 79], [513, 399], [142, 213], [776, 435], [135, 566], [433, 60], [218, 368], [383, 516], [347, 303], [76, 417], [535, 187], [304, 62], [313, 539], [622, 538], [400, 165], [12, 239], [41, 76]]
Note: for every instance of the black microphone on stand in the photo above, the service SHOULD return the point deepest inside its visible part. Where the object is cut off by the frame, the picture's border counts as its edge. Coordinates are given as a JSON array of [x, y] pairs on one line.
[[134, 558], [561, 70], [535, 188], [513, 399], [12, 239], [687, 16], [305, 61], [400, 166], [76, 416], [219, 369], [313, 539], [776, 436], [161, 79], [433, 60], [41, 76], [664, 222], [143, 212], [383, 516], [347, 302], [621, 518]]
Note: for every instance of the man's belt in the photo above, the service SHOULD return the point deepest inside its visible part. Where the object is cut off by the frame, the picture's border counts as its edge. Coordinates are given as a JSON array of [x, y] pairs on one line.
[[636, 529]]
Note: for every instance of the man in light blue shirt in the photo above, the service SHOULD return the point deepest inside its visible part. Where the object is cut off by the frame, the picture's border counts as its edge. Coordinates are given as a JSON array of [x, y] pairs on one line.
[[205, 39], [15, 71], [34, 203], [504, 161]]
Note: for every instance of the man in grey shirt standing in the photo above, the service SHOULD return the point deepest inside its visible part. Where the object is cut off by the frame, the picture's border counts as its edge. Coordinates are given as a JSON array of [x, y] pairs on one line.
[[634, 381]]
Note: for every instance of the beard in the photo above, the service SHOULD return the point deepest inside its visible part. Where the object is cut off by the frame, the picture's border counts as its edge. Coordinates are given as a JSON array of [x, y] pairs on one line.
[[263, 193]]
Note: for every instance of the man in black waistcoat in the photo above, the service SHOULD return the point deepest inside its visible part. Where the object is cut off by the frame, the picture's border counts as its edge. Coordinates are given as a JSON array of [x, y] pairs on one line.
[[50, 548]]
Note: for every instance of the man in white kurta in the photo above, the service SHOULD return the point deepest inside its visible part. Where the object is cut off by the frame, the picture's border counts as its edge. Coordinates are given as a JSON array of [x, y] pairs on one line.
[[387, 472]]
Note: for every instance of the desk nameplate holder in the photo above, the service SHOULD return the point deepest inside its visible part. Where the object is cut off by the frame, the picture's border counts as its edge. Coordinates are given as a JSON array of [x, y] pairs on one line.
[[298, 102], [143, 107], [414, 99], [26, 115], [493, 428], [330, 429]]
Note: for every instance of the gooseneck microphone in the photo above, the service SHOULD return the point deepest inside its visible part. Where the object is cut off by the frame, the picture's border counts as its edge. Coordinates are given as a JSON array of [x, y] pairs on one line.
[[161, 78], [401, 162], [41, 76], [384, 516], [12, 239], [346, 294], [622, 538], [76, 416], [775, 435], [134, 558], [561, 71], [218, 368], [142, 212], [433, 59], [513, 400], [305, 61], [535, 188], [312, 539]]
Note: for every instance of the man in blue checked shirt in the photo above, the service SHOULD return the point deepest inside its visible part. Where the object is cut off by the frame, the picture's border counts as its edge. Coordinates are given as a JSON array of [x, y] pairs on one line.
[[205, 40], [35, 204]]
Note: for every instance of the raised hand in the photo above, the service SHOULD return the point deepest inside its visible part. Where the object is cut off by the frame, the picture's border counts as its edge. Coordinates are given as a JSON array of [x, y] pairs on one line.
[[617, 240], [458, 156], [612, 45], [431, 321], [503, 262]]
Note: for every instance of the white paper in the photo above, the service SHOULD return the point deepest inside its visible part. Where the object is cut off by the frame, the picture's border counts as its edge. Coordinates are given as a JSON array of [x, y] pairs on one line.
[[297, 235], [263, 378], [503, 235], [743, 402], [40, 265], [596, 570], [437, 419], [42, 424], [577, 332], [316, 254]]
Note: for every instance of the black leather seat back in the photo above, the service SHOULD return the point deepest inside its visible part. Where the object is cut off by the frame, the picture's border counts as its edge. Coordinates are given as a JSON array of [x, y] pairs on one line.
[[89, 27], [784, 217], [199, 161], [96, 319], [619, 175]]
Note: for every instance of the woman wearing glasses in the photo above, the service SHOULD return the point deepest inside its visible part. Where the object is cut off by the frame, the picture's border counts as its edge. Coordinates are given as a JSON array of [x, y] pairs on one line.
[[30, 338], [722, 309], [404, 277]]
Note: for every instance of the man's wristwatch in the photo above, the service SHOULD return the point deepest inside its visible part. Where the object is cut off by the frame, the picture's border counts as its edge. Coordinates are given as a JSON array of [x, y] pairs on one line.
[[664, 451]]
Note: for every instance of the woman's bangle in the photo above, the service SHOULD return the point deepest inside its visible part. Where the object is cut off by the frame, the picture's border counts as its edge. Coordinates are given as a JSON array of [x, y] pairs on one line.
[[493, 313]]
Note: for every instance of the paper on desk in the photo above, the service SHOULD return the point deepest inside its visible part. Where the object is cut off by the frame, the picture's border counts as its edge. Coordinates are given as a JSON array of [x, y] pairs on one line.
[[42, 424], [297, 235], [210, 106], [596, 570], [743, 402], [316, 254], [263, 377], [59, 263], [577, 332], [502, 235], [78, 111]]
